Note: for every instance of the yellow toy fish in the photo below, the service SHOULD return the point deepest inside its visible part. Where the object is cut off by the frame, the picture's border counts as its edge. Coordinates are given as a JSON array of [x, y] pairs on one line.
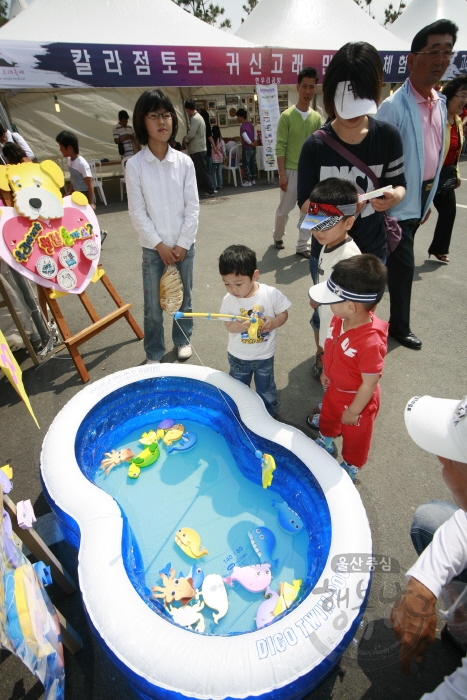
[[174, 434], [287, 594], [150, 437], [268, 465], [190, 543]]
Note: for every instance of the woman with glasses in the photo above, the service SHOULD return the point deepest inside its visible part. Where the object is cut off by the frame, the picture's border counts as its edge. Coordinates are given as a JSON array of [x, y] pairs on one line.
[[449, 178], [164, 209]]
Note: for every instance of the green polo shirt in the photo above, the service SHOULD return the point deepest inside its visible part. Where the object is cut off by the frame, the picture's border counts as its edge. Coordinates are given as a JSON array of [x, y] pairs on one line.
[[292, 132]]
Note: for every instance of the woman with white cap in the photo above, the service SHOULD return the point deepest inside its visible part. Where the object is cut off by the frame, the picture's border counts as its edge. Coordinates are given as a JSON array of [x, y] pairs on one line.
[[439, 534], [351, 94]]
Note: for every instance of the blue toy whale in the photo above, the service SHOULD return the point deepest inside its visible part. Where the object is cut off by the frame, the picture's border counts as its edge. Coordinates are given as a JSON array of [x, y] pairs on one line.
[[263, 542], [185, 443], [289, 521]]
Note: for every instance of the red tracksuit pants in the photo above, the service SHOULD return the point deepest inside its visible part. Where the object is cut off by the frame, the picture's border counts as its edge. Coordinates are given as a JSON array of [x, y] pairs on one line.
[[356, 439]]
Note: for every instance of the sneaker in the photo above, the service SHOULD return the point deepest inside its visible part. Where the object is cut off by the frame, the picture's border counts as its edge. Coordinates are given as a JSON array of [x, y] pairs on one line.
[[215, 191], [317, 367], [184, 352], [253, 182], [330, 449], [350, 469], [246, 184], [279, 244], [152, 362], [313, 420], [303, 253]]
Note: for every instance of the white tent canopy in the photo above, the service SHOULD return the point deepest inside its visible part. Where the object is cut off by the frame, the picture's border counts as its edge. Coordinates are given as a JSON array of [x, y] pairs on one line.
[[315, 24], [144, 22], [91, 113], [422, 12]]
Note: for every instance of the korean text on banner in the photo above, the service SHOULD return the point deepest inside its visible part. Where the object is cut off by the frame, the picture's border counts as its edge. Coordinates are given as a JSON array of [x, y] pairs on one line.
[[269, 113]]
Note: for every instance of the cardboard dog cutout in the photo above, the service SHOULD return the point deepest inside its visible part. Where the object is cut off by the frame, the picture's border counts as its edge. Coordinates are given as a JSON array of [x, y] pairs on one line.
[[51, 240]]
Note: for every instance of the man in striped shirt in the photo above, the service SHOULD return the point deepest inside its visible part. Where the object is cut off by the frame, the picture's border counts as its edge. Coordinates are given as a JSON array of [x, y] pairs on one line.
[[124, 136]]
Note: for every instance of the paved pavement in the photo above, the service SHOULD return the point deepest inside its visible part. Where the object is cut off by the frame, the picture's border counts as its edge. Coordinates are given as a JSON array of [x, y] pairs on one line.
[[397, 478]]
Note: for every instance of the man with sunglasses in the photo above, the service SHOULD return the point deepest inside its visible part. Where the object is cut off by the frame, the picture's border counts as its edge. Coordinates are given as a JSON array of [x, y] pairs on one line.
[[419, 113]]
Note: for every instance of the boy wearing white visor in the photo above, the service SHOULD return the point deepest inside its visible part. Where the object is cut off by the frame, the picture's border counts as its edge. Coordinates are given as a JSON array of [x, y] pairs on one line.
[[353, 359]]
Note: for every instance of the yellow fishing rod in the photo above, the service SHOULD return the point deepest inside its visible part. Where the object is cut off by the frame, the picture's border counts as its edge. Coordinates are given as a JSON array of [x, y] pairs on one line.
[[212, 317]]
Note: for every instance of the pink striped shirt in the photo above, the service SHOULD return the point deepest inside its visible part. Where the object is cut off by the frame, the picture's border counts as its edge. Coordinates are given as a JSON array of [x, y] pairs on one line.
[[430, 115]]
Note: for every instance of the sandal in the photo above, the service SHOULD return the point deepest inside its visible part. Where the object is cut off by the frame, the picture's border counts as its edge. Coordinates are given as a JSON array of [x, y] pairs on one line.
[[317, 365], [312, 421], [440, 258]]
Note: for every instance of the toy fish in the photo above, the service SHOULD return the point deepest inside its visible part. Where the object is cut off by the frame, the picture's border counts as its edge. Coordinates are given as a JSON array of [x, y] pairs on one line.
[[190, 543], [187, 441], [268, 465], [266, 613], [143, 459], [287, 594], [172, 588], [289, 520], [165, 424], [254, 578], [215, 596], [148, 438], [166, 570], [174, 434], [197, 577], [263, 542]]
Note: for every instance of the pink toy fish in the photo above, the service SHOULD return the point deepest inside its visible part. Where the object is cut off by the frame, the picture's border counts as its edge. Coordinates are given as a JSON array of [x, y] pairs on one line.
[[255, 578]]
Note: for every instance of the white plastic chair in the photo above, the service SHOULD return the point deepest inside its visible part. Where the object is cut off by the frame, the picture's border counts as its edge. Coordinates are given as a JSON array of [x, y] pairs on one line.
[[122, 179], [96, 172], [235, 157]]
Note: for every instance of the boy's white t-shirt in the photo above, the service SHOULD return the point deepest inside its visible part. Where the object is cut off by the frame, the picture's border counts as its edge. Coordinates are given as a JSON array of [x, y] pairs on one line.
[[327, 260], [79, 169], [273, 302]]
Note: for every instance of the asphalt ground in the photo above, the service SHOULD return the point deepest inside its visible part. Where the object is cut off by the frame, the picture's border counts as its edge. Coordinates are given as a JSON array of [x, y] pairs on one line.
[[397, 478]]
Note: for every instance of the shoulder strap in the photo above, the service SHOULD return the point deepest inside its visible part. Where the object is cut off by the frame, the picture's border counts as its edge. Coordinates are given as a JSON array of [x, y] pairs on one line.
[[345, 153]]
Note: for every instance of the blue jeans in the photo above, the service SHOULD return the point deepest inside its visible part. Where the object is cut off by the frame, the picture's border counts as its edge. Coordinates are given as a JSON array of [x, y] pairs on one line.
[[153, 269], [249, 163], [210, 172], [217, 181], [263, 373], [427, 519]]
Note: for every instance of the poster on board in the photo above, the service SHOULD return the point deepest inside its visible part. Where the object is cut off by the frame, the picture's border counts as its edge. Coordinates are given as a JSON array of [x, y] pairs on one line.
[[269, 113]]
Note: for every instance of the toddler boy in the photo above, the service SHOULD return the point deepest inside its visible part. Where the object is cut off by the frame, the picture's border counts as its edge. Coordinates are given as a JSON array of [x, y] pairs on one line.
[[252, 343], [80, 172], [354, 353]]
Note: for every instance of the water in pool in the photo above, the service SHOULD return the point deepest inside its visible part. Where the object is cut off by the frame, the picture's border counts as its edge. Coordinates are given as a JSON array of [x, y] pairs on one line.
[[202, 488]]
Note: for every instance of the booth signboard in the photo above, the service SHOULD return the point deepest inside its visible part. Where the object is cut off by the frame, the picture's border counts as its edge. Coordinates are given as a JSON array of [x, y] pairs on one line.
[[30, 64], [269, 113]]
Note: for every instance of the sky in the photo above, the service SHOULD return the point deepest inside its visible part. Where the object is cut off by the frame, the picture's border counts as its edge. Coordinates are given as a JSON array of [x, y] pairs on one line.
[[234, 11]]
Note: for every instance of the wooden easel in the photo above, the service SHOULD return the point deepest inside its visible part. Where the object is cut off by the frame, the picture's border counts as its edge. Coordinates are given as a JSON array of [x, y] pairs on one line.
[[37, 546], [8, 303], [72, 342]]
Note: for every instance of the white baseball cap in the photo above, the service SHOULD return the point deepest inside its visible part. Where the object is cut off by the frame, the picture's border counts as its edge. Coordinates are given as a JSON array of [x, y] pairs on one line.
[[329, 292], [438, 426], [348, 105]]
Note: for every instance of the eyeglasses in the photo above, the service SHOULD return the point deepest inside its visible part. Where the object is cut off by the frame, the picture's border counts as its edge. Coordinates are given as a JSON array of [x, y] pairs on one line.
[[436, 53], [166, 116]]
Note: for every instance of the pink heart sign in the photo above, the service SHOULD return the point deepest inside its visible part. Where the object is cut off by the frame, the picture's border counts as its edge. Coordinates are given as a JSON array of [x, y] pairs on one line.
[[60, 253]]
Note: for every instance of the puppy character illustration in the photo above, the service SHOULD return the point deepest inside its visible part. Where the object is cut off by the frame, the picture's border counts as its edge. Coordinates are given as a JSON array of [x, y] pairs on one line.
[[35, 188]]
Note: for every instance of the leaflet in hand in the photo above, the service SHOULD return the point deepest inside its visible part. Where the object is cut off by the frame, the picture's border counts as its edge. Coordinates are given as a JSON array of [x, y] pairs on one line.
[[376, 193]]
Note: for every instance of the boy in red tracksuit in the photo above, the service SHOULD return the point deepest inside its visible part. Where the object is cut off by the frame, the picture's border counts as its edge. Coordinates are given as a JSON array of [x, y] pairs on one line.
[[353, 359]]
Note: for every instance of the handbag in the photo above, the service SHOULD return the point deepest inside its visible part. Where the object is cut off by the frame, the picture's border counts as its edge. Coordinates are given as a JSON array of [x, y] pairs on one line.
[[447, 179], [393, 229]]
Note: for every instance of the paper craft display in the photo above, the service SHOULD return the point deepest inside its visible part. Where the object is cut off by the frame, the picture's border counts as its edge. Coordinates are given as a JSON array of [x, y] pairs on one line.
[[51, 240], [13, 373]]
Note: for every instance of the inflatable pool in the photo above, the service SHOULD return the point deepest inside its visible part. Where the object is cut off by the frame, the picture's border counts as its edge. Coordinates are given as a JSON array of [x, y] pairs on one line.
[[129, 527]]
